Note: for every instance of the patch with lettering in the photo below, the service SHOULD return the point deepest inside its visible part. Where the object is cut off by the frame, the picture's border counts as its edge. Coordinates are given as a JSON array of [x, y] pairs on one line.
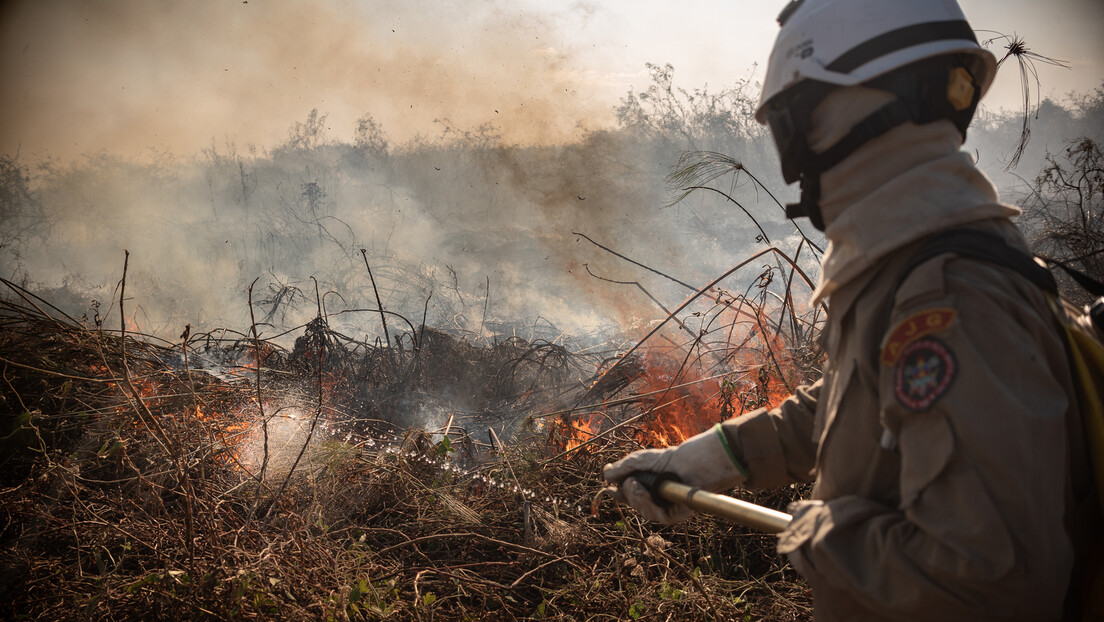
[[914, 327], [925, 370]]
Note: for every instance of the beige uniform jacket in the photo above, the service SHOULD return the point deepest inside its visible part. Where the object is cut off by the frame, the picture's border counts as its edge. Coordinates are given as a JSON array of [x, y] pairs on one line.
[[937, 439]]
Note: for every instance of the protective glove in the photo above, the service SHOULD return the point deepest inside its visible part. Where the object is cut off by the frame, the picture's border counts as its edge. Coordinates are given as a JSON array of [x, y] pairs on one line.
[[704, 461]]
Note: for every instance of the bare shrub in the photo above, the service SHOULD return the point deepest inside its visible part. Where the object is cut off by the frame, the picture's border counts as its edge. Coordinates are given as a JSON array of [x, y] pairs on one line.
[[1065, 212]]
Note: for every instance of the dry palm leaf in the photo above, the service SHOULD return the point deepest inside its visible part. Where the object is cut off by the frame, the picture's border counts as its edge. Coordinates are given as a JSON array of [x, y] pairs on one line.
[[1015, 47]]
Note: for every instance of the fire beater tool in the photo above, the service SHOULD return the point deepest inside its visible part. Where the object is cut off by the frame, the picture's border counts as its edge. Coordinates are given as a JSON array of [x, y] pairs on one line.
[[666, 488]]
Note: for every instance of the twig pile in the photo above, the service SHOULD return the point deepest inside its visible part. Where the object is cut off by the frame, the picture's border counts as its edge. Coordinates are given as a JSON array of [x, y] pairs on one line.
[[126, 493]]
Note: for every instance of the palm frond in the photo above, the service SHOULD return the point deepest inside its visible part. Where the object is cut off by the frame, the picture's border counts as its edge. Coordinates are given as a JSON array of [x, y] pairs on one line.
[[1016, 48]]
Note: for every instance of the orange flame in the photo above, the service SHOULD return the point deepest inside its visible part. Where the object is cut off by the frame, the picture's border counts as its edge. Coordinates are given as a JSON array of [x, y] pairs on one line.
[[580, 429], [681, 399], [683, 403]]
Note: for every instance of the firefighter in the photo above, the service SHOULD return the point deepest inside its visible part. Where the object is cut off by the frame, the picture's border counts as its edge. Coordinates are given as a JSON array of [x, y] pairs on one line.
[[938, 438]]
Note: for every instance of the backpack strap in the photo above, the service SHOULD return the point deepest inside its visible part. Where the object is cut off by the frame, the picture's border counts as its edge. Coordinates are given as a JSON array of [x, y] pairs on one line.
[[1089, 284], [982, 245]]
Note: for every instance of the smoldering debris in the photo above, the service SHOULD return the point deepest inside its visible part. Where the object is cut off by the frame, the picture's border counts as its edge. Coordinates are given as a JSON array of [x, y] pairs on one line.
[[224, 474]]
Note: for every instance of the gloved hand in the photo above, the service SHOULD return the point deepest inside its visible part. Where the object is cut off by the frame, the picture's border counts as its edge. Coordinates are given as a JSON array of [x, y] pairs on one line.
[[703, 461]]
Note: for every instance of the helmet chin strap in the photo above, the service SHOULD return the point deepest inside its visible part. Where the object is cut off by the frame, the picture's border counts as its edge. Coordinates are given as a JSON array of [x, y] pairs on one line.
[[809, 204], [874, 125], [924, 93]]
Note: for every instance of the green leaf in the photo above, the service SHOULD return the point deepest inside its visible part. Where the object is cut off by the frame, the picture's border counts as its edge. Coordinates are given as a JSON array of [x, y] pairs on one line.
[[669, 592], [444, 447], [111, 447], [153, 577], [429, 599]]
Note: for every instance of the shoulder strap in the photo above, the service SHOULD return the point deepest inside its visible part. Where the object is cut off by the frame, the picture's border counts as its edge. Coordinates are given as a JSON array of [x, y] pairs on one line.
[[985, 246], [1089, 284]]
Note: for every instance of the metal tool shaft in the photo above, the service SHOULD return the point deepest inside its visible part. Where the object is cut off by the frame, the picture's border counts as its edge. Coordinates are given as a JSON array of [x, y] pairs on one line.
[[748, 514]]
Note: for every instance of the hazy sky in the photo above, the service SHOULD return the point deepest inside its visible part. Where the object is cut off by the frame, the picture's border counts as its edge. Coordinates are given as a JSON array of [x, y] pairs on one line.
[[136, 77]]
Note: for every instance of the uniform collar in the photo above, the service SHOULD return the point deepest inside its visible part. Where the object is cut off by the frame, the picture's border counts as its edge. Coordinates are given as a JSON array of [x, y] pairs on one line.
[[900, 187]]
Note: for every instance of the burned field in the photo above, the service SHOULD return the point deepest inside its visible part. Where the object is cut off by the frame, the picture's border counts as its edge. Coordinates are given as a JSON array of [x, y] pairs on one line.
[[425, 476], [449, 465]]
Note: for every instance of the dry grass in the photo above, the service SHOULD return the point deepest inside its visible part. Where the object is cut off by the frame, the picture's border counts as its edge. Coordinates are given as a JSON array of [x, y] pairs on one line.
[[128, 492]]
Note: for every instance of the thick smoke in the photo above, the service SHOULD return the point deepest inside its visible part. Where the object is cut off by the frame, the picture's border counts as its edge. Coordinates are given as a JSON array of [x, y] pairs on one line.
[[486, 233], [454, 164], [456, 146], [479, 236], [130, 76]]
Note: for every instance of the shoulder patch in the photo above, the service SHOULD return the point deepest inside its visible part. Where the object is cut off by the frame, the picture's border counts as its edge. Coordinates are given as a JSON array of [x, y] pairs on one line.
[[926, 369], [914, 327]]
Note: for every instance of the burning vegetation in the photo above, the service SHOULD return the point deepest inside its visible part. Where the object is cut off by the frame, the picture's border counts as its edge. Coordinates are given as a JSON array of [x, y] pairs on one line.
[[415, 477], [383, 439]]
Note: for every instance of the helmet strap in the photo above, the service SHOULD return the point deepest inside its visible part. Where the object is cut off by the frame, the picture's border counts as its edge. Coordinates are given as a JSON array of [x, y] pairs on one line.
[[809, 205], [874, 125], [882, 120], [925, 92]]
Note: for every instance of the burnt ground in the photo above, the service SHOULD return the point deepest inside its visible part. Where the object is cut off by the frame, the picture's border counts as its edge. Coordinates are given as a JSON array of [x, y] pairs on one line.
[[135, 486]]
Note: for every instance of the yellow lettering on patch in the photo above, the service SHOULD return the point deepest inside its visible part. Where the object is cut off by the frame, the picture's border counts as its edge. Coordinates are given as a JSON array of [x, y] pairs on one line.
[[914, 327]]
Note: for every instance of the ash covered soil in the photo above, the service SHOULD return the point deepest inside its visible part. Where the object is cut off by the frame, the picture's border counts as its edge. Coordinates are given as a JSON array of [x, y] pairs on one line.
[[225, 477]]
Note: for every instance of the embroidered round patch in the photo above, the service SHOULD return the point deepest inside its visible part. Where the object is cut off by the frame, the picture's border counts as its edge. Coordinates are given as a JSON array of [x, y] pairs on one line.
[[924, 372]]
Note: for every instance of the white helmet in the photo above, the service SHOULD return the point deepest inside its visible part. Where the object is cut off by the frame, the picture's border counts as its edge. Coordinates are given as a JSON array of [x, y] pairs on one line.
[[922, 51], [848, 42]]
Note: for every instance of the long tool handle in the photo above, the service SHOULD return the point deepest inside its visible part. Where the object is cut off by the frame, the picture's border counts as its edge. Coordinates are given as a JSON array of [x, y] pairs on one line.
[[748, 514]]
